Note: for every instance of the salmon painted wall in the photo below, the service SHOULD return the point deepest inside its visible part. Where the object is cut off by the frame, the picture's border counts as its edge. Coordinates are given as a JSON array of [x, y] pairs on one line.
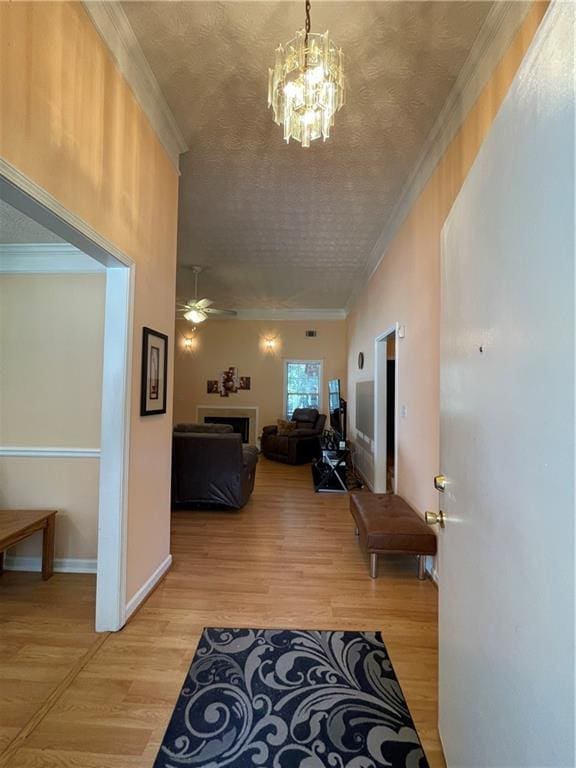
[[406, 288], [72, 125], [219, 344]]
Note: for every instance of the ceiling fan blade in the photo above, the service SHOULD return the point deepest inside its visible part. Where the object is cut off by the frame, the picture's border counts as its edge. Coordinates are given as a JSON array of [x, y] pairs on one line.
[[214, 311], [203, 303]]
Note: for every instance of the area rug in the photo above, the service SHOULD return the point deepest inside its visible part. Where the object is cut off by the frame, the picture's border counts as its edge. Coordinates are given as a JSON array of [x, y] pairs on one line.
[[291, 699]]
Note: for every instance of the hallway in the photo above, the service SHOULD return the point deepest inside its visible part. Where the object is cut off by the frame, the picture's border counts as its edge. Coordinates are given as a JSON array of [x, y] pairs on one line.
[[289, 559]]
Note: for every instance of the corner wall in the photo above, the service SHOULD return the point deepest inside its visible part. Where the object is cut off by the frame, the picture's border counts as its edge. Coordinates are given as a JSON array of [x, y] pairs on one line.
[[406, 288], [72, 125]]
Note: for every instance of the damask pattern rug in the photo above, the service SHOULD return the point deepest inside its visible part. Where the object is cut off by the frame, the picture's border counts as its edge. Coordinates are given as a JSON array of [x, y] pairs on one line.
[[291, 699]]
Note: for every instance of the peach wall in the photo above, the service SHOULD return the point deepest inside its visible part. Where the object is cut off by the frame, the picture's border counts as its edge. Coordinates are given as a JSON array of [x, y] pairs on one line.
[[51, 345], [219, 344], [406, 288], [71, 486], [71, 124]]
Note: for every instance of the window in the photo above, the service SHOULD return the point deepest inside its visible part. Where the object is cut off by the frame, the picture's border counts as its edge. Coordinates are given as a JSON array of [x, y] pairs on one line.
[[302, 385]]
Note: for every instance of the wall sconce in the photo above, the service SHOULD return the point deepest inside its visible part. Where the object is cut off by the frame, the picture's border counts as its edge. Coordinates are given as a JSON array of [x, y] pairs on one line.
[[189, 343], [269, 344]]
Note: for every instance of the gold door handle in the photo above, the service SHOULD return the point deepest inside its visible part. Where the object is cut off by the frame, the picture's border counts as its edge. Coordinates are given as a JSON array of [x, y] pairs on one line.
[[435, 518], [440, 483]]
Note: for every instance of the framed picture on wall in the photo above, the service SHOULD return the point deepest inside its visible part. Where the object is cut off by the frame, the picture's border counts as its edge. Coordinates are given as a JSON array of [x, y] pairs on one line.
[[154, 372]]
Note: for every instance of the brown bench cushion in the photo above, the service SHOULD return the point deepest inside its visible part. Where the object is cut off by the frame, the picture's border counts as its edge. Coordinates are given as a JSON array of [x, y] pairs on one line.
[[386, 523]]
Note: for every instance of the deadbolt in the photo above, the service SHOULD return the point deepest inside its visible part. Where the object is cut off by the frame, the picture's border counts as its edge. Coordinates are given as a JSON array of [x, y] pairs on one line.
[[440, 483], [435, 518]]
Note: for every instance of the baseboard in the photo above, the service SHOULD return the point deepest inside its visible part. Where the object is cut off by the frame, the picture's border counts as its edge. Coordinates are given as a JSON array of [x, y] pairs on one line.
[[61, 565], [363, 478], [431, 570], [367, 483], [141, 595]]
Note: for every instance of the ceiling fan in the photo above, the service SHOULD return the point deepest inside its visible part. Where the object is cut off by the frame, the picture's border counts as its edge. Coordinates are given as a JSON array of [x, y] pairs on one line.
[[197, 310]]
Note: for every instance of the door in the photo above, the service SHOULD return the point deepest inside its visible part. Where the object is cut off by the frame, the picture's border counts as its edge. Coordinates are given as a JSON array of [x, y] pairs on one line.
[[506, 555]]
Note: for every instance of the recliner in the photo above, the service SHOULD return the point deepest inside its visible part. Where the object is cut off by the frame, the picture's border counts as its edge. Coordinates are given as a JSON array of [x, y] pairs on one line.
[[299, 446], [211, 469]]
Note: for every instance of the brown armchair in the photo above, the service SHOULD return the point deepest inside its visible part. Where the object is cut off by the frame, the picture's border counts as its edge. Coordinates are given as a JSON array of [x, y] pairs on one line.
[[211, 468], [299, 446]]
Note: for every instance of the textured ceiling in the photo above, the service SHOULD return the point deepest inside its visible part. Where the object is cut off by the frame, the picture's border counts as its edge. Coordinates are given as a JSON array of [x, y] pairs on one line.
[[16, 227], [276, 225]]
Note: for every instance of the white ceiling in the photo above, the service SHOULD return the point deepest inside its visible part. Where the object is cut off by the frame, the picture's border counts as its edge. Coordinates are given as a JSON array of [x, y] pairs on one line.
[[276, 225], [16, 227]]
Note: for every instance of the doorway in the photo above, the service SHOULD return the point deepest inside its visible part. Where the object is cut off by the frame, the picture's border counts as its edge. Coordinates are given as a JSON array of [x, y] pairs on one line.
[[385, 411], [40, 207]]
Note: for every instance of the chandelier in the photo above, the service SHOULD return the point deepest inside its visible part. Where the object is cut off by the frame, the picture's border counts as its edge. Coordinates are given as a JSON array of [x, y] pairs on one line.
[[306, 86]]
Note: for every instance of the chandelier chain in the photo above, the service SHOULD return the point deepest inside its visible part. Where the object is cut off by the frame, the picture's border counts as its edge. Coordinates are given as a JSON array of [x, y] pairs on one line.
[[308, 5]]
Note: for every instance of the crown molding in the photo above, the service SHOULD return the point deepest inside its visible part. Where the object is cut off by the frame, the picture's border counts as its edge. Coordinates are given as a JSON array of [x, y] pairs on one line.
[[45, 258], [287, 314], [493, 39], [116, 31]]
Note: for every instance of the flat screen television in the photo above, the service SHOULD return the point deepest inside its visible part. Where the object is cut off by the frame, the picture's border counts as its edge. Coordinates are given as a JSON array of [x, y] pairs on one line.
[[336, 409]]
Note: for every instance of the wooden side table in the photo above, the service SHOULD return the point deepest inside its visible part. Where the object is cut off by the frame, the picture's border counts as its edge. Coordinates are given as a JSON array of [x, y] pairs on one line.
[[18, 524]]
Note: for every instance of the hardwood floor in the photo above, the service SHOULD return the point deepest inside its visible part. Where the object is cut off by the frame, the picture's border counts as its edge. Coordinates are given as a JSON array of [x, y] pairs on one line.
[[289, 559]]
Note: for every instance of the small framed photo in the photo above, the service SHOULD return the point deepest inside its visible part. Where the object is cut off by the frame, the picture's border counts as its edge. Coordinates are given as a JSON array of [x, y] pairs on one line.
[[154, 372]]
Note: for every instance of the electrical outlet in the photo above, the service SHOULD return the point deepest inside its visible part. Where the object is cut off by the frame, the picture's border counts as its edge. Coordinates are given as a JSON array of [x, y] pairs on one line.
[[404, 411]]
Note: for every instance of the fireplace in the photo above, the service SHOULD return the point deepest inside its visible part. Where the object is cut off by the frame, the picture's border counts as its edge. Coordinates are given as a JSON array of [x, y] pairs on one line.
[[240, 424], [237, 416]]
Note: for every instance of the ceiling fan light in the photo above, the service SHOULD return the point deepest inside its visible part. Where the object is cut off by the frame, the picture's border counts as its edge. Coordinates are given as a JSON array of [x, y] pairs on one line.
[[195, 316]]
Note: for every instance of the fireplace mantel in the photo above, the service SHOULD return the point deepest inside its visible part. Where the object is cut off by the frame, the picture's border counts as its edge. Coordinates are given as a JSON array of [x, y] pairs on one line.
[[249, 412]]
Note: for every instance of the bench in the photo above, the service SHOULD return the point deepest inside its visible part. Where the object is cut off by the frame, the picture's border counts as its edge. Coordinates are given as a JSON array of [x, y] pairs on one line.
[[386, 523]]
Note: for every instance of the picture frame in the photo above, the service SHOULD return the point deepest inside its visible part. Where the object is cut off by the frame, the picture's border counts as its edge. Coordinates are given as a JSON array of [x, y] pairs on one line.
[[154, 372]]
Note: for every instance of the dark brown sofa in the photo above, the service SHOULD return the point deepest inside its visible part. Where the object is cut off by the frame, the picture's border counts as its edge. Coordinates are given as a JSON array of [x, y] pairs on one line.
[[299, 446], [211, 469]]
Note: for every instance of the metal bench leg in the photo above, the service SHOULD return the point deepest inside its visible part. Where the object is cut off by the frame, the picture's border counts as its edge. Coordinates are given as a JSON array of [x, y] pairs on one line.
[[421, 567], [373, 565]]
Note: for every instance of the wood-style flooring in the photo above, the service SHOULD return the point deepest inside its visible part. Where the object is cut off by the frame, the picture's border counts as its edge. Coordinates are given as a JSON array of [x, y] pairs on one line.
[[70, 698]]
